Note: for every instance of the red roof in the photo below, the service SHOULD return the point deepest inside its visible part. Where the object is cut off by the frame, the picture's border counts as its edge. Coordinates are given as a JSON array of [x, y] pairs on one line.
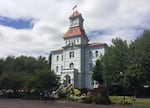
[[75, 31], [76, 13], [95, 44]]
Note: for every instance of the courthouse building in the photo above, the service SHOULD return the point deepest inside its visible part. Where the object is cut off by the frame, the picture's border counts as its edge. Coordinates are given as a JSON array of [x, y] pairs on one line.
[[74, 62]]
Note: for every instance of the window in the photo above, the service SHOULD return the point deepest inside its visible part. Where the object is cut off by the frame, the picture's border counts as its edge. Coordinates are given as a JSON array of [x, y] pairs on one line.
[[90, 66], [56, 68], [71, 65], [62, 57], [78, 40], [71, 30], [71, 54], [96, 53], [90, 54], [61, 67], [57, 58]]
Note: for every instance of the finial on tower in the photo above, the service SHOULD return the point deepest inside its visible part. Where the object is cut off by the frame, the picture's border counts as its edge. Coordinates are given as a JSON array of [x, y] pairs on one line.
[[74, 7]]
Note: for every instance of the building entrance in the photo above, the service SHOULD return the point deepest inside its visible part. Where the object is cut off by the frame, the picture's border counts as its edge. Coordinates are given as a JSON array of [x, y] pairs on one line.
[[66, 80]]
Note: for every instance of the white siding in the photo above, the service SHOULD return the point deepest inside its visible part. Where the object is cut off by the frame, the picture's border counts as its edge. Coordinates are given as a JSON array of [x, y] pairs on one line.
[[81, 61]]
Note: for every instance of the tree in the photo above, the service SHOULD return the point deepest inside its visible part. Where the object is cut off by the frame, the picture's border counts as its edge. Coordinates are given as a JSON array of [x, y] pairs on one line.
[[97, 72], [115, 60], [8, 80], [27, 73], [138, 72], [1, 66], [45, 80]]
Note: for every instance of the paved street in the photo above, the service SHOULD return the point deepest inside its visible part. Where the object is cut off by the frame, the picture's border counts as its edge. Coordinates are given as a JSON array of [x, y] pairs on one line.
[[18, 103]]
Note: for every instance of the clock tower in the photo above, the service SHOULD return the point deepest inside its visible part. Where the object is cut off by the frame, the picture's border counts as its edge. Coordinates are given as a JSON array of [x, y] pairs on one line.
[[76, 20], [76, 30]]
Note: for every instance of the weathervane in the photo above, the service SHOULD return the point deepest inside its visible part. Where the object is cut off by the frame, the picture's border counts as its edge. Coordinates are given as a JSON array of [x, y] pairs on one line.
[[74, 7]]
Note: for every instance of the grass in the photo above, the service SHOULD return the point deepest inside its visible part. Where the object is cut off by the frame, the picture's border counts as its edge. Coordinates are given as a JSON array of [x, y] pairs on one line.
[[139, 103]]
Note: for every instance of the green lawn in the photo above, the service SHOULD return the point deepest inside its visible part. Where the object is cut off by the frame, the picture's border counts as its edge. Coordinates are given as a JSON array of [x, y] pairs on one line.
[[139, 103]]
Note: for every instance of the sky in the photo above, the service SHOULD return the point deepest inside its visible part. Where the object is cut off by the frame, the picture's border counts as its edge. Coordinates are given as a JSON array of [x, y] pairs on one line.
[[36, 27]]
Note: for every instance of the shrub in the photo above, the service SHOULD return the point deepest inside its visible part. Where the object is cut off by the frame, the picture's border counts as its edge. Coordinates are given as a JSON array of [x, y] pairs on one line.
[[102, 100], [76, 92], [84, 90], [86, 100], [63, 95], [126, 101], [72, 97]]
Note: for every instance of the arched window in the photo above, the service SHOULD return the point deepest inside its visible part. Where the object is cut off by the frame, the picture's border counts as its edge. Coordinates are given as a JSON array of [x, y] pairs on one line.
[[71, 65], [96, 53]]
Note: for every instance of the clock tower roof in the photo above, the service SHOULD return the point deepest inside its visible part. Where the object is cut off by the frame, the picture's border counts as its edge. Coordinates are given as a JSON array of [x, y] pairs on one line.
[[75, 14], [76, 27], [75, 31]]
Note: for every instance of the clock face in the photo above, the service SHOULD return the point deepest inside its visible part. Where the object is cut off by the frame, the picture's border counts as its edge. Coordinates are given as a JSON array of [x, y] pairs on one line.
[[74, 22]]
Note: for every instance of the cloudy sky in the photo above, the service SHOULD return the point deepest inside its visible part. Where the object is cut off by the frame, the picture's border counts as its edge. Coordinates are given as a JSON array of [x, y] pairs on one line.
[[35, 27]]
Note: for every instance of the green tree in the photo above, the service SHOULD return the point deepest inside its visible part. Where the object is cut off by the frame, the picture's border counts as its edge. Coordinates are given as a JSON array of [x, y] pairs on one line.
[[45, 80], [26, 73], [10, 80], [115, 60], [138, 71], [97, 72], [9, 64], [1, 66]]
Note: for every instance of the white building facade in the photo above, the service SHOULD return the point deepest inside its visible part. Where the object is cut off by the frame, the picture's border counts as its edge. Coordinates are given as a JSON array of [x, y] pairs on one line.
[[74, 62]]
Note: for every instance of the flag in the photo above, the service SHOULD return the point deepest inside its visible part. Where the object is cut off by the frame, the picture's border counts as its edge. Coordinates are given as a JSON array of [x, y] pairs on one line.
[[74, 7]]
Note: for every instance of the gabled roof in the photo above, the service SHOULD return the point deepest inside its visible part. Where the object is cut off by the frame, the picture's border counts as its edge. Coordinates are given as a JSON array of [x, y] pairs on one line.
[[75, 31], [75, 14]]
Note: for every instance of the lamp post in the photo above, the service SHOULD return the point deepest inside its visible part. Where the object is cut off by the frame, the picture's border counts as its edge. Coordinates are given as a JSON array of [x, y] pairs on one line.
[[122, 76]]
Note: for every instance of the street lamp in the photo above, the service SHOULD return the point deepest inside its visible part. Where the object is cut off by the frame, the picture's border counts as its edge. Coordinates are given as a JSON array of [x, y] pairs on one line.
[[122, 76]]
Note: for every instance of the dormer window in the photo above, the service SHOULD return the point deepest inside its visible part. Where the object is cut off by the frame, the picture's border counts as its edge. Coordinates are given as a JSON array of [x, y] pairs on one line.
[[71, 30]]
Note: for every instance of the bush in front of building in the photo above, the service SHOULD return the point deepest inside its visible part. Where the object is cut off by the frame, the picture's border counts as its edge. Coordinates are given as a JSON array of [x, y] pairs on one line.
[[63, 95], [100, 95], [86, 99]]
